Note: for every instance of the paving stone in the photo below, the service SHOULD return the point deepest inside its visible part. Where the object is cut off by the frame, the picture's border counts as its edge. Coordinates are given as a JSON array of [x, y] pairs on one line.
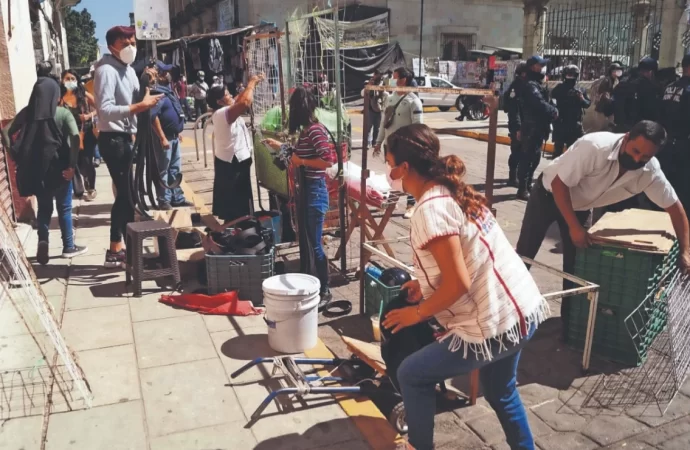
[[170, 341], [22, 352], [450, 432], [233, 323], [87, 329], [112, 374], [186, 396], [82, 297], [357, 444], [681, 442], [651, 415], [11, 322], [606, 429], [112, 427], [536, 394], [631, 445], [490, 431], [237, 350], [559, 417], [147, 307], [472, 412], [23, 433], [227, 436], [563, 441]]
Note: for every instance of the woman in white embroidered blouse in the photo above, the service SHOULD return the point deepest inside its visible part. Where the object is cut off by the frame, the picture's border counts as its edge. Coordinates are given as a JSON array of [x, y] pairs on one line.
[[470, 279]]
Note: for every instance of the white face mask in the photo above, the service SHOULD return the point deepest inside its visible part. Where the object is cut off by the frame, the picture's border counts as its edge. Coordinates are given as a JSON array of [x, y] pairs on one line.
[[394, 82], [618, 73], [396, 185], [70, 85], [128, 54]]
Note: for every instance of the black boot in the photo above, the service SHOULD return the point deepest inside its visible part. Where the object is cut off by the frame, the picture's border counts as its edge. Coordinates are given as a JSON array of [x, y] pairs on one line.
[[523, 192], [512, 178]]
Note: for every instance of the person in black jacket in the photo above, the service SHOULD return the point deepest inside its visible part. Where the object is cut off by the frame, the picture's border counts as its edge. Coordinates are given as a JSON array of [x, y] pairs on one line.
[[537, 115], [511, 105], [570, 101], [638, 98]]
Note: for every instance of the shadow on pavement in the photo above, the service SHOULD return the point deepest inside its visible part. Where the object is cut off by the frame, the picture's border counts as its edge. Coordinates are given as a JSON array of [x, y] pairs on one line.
[[324, 435]]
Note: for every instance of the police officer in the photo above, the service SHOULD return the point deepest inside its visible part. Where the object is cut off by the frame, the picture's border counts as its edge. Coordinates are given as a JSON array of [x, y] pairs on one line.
[[675, 117], [511, 105], [638, 98], [570, 101], [537, 115]]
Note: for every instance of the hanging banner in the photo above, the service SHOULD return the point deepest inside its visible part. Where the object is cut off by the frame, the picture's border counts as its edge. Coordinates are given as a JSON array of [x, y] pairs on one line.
[[226, 15], [353, 35], [152, 19]]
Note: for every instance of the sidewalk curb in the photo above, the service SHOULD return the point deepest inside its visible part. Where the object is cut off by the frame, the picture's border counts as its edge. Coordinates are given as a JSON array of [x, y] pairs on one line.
[[505, 140], [427, 109], [373, 426]]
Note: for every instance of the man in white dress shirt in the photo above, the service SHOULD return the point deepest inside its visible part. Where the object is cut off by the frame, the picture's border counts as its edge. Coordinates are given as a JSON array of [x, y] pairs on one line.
[[600, 169]]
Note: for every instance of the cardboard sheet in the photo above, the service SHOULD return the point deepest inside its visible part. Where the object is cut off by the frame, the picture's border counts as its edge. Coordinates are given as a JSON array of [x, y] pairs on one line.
[[648, 231]]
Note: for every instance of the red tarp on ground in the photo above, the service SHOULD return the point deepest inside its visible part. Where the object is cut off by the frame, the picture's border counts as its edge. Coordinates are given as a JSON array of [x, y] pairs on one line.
[[225, 304]]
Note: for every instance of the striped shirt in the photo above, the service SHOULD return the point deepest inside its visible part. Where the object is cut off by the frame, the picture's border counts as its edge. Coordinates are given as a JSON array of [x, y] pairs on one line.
[[314, 142], [503, 299]]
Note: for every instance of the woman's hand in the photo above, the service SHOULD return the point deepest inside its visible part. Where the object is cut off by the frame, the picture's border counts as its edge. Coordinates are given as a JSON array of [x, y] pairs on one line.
[[67, 174], [273, 143], [84, 117], [296, 160], [414, 291], [401, 318]]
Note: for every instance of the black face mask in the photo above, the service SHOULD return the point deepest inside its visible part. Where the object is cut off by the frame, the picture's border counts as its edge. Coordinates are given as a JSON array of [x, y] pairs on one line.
[[535, 76], [628, 162], [570, 82]]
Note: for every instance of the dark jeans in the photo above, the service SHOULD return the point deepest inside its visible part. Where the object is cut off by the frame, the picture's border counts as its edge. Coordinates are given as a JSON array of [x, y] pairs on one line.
[[170, 165], [86, 157], [565, 137], [63, 199], [515, 153], [317, 198], [116, 149], [530, 157], [374, 124], [423, 370], [541, 212], [200, 107]]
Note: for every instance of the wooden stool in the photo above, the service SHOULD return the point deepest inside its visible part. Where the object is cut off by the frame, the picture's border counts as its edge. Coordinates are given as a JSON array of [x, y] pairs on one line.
[[137, 232]]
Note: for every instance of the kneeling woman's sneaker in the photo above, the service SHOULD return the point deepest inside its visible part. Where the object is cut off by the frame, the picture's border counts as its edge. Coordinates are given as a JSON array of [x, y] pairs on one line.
[[74, 251], [115, 260]]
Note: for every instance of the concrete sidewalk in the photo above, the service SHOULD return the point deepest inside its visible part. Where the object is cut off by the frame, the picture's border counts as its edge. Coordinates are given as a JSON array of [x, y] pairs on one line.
[[159, 375]]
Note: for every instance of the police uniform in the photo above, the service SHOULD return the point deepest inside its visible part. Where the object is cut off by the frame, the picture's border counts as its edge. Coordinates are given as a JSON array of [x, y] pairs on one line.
[[537, 115], [675, 157], [511, 105], [568, 127]]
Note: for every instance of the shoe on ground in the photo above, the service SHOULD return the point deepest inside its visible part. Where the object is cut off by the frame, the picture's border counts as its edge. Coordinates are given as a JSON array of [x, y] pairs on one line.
[[409, 212], [90, 195], [460, 119], [42, 255], [183, 204], [165, 207], [115, 260], [523, 194], [74, 251], [96, 162], [325, 299]]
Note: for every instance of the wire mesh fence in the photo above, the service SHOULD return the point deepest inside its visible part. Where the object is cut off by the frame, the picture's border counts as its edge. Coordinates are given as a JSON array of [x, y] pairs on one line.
[[36, 367]]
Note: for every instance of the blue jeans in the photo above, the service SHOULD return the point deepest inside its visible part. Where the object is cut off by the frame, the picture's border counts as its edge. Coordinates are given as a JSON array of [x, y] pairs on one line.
[[96, 153], [423, 370], [170, 165], [63, 198], [317, 195]]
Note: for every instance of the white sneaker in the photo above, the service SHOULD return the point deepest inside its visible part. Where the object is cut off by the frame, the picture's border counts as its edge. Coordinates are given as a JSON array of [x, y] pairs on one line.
[[409, 212]]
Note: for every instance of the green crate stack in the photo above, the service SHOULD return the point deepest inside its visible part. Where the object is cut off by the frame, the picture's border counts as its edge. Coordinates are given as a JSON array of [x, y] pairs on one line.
[[625, 277], [376, 292]]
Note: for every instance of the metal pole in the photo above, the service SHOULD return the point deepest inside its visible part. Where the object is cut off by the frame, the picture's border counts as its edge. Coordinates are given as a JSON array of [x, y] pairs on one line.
[[281, 83], [363, 252], [421, 39], [338, 146], [289, 54]]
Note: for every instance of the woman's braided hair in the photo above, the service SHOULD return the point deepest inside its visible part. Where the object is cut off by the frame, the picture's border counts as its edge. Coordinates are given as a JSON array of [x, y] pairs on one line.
[[419, 146]]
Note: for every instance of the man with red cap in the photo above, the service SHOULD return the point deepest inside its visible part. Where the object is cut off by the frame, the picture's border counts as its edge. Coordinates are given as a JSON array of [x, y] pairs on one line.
[[115, 87]]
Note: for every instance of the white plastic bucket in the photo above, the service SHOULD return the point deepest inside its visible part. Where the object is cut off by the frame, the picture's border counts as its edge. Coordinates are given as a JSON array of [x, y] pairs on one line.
[[292, 315]]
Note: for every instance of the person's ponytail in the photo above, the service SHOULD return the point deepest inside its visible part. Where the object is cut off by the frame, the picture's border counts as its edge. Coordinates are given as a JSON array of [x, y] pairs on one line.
[[450, 172]]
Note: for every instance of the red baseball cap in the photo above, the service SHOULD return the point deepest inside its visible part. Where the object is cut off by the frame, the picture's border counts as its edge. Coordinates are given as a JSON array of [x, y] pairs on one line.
[[119, 32]]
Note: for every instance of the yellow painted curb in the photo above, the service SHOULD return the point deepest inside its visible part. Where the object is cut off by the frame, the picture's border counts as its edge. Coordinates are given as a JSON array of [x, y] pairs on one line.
[[505, 140], [375, 428], [427, 109]]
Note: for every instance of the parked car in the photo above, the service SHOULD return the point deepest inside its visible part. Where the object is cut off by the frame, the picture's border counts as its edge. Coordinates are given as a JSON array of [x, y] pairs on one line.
[[443, 101]]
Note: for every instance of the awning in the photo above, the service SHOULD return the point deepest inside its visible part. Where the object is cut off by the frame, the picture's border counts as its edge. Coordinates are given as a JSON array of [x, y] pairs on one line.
[[198, 37], [517, 50]]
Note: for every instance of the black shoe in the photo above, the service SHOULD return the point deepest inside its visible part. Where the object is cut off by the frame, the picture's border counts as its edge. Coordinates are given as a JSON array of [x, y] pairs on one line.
[[42, 255], [523, 194], [164, 207], [512, 179], [96, 162], [325, 300], [183, 204], [460, 119], [115, 260], [74, 251]]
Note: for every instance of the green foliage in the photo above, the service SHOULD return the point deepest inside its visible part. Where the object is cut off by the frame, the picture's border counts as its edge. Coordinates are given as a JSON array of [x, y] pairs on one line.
[[81, 38]]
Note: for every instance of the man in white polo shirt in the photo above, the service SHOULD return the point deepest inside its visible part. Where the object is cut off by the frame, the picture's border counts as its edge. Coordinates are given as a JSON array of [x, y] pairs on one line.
[[600, 169]]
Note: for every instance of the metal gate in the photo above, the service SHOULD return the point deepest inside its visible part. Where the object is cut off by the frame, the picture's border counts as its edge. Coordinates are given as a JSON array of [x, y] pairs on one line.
[[594, 33]]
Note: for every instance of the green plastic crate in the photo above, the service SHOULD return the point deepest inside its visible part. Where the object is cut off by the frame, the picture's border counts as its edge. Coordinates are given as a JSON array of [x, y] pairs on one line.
[[625, 277], [376, 292]]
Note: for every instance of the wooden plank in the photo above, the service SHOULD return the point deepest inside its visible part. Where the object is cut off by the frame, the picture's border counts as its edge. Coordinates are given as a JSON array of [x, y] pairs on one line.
[[649, 231], [369, 353]]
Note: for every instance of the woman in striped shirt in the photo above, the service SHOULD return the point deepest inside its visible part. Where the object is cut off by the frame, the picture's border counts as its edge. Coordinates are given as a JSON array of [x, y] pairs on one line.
[[470, 279], [315, 153]]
